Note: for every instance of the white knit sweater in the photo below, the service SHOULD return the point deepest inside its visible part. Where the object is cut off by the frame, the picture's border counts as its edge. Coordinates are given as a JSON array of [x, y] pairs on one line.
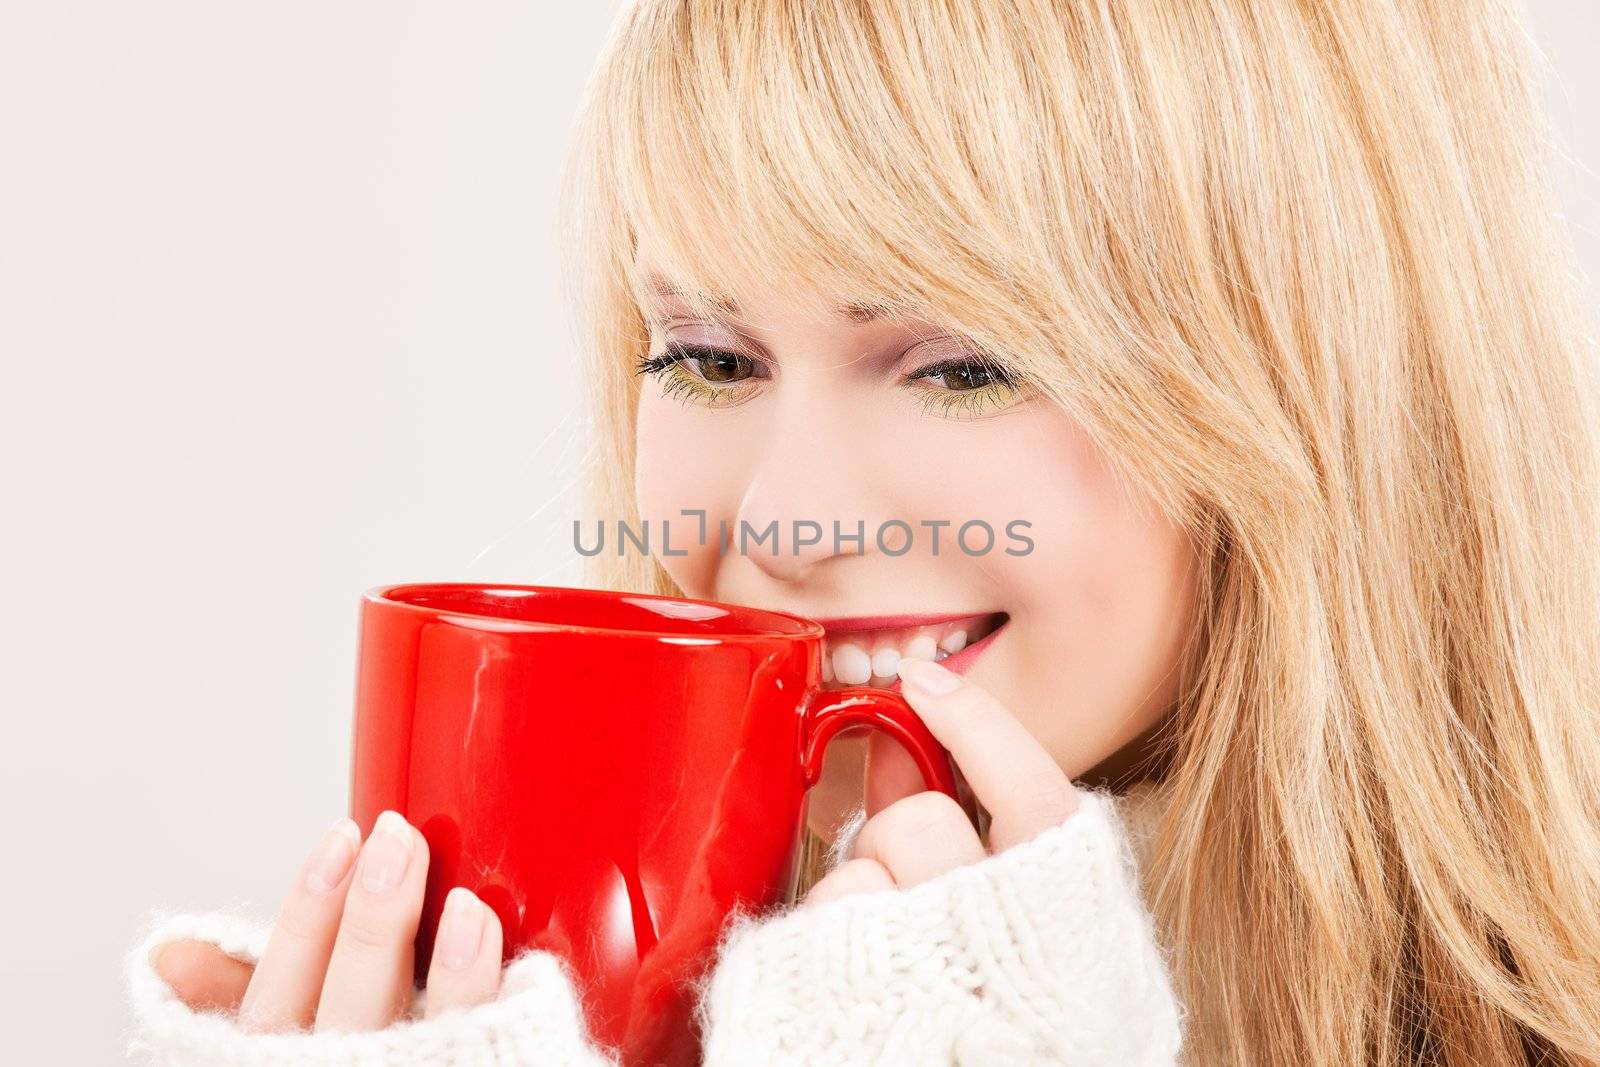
[[1042, 954]]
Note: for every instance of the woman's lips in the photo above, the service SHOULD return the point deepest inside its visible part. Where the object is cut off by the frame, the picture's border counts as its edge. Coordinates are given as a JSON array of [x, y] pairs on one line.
[[854, 623], [855, 653]]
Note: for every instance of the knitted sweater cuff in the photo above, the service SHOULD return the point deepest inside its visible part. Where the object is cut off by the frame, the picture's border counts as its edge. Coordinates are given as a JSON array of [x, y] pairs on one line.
[[1043, 953], [535, 1018]]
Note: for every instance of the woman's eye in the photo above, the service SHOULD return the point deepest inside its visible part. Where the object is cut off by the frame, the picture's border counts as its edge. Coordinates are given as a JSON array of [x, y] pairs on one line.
[[723, 367], [700, 372], [968, 375], [965, 385]]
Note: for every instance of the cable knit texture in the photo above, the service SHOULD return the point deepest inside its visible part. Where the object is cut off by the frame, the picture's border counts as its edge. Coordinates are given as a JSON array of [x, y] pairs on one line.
[[1042, 954], [535, 1018]]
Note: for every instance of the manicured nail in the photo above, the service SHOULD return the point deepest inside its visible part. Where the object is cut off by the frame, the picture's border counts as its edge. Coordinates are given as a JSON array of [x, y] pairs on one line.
[[388, 853], [331, 860], [929, 677], [460, 929]]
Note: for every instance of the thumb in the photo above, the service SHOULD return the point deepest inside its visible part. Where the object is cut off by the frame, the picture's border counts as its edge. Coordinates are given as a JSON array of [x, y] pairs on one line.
[[201, 974], [891, 773]]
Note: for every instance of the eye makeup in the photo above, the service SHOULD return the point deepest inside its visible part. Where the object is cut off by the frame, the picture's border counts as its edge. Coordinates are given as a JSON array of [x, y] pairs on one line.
[[718, 379], [965, 384]]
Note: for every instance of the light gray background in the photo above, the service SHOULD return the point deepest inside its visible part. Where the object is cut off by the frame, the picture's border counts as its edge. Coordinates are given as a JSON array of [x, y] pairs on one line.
[[280, 321]]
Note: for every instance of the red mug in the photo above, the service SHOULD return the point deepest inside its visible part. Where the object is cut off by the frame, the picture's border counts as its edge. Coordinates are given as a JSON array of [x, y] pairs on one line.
[[613, 773]]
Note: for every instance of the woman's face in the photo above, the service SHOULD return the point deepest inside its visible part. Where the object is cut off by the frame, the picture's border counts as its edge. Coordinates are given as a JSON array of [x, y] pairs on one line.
[[850, 421]]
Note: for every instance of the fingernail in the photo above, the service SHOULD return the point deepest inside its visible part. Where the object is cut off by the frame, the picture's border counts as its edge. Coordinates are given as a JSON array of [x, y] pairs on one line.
[[460, 929], [929, 676], [388, 852], [330, 861]]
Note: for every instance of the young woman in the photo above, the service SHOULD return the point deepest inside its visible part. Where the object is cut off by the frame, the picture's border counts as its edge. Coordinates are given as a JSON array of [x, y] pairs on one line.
[[1258, 314]]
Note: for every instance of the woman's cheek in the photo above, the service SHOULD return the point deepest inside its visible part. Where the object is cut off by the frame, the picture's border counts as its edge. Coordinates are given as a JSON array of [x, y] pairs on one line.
[[1100, 597], [677, 469]]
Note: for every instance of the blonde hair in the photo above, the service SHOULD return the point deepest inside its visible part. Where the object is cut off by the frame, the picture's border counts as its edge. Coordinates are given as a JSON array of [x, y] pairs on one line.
[[1295, 268]]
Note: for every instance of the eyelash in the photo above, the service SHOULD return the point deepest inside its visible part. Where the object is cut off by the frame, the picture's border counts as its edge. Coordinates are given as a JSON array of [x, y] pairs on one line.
[[678, 381]]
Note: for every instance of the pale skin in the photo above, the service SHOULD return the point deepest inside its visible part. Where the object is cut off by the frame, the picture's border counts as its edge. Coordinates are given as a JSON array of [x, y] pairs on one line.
[[828, 426]]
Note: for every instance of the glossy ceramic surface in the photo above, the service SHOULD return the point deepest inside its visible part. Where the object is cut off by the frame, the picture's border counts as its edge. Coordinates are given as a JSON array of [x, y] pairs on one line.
[[613, 773]]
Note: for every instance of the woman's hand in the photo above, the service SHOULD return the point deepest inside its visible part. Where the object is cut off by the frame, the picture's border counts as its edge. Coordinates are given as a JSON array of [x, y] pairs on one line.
[[341, 951], [913, 834]]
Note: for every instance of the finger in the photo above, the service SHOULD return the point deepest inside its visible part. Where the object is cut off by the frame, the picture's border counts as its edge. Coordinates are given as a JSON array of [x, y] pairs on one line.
[[200, 974], [919, 837], [891, 773], [465, 968], [288, 977], [1012, 775], [369, 979], [850, 877]]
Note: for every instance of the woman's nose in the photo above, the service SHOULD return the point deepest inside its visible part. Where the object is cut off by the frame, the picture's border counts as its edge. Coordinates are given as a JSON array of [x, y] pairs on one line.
[[810, 498]]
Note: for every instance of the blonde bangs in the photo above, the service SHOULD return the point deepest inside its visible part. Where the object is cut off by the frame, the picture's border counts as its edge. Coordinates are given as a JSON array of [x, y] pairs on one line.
[[785, 146]]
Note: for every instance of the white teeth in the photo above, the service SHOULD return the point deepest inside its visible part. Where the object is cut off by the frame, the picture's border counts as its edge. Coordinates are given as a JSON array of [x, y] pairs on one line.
[[852, 665], [858, 663], [886, 662]]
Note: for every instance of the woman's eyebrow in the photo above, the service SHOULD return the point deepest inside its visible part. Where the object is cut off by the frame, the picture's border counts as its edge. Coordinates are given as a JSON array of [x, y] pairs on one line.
[[855, 314]]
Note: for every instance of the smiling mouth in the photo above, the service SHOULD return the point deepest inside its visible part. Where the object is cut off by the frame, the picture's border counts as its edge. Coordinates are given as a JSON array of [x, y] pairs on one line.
[[854, 654]]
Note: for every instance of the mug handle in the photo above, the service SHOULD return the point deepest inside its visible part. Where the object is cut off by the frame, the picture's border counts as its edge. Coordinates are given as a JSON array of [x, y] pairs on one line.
[[829, 711]]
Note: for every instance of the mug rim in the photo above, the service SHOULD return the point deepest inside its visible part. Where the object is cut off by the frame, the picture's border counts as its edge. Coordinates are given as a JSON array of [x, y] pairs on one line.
[[798, 626]]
